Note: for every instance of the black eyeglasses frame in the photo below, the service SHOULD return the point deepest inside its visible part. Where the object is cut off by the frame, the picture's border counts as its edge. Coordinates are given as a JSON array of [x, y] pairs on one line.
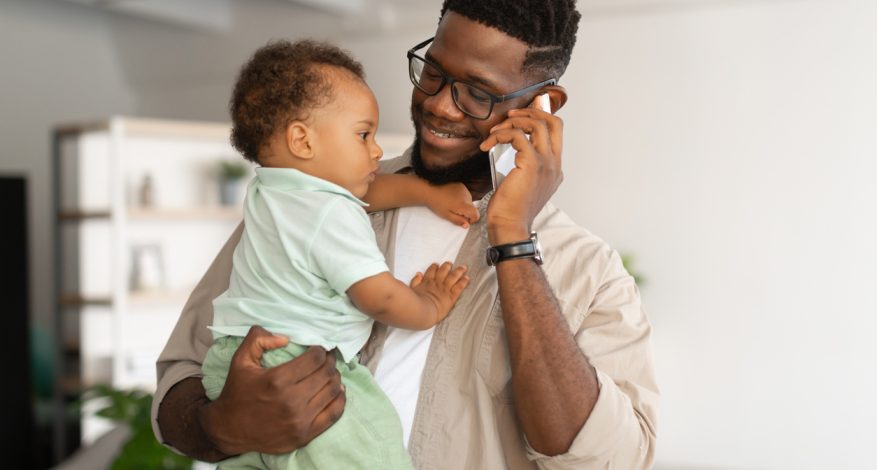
[[449, 80]]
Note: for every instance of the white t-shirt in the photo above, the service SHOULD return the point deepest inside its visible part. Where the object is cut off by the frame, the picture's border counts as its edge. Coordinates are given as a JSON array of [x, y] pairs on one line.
[[428, 239]]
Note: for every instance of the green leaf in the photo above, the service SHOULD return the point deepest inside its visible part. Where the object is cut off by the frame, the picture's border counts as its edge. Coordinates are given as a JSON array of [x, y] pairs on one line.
[[233, 170], [627, 262], [142, 450]]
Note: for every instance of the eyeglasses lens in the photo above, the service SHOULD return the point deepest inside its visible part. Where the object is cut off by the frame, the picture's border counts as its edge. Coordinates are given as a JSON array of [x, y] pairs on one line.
[[471, 100]]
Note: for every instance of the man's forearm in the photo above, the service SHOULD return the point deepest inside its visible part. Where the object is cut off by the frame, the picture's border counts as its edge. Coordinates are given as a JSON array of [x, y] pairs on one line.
[[555, 387], [180, 422]]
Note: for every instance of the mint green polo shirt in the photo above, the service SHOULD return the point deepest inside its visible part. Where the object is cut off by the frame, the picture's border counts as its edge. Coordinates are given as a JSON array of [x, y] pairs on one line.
[[305, 242]]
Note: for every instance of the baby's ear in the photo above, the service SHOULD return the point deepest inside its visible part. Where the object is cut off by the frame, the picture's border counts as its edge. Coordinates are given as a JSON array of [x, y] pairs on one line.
[[298, 140]]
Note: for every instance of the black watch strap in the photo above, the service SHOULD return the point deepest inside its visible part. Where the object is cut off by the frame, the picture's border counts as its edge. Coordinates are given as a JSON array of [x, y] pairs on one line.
[[522, 249]]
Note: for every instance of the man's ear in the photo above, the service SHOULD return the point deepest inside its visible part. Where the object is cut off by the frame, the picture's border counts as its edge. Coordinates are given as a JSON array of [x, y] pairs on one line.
[[557, 95], [298, 140]]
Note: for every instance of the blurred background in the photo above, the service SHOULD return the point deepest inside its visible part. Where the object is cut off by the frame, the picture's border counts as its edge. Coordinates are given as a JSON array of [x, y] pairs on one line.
[[727, 148]]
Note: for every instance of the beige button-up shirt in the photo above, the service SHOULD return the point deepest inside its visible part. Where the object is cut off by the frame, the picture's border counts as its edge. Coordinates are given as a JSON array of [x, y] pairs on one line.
[[465, 417]]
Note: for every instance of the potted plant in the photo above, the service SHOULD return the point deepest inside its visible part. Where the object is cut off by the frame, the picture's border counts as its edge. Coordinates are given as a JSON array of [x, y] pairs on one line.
[[141, 450], [231, 181]]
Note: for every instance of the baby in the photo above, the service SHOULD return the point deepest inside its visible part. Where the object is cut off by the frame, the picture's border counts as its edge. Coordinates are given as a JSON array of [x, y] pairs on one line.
[[307, 266]]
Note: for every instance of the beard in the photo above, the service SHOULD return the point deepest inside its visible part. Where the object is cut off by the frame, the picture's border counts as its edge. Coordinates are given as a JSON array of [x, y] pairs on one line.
[[475, 167]]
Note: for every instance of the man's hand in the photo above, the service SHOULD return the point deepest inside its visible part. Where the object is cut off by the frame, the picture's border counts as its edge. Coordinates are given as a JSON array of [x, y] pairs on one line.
[[274, 410], [535, 178]]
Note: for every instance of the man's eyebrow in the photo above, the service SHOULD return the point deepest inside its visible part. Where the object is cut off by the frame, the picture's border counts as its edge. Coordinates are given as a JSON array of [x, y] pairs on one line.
[[469, 78]]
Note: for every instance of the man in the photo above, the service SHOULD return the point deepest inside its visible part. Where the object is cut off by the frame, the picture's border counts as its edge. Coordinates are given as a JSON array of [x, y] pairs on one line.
[[544, 366]]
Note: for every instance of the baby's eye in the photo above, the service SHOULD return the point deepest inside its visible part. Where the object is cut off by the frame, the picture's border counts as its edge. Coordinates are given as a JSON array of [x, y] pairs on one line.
[[364, 135]]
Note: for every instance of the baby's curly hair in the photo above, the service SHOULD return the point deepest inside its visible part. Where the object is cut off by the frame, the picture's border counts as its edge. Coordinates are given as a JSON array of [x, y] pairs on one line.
[[278, 85], [547, 26]]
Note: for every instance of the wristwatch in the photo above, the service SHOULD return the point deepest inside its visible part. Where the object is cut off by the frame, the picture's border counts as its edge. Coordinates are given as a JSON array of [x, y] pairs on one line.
[[517, 250]]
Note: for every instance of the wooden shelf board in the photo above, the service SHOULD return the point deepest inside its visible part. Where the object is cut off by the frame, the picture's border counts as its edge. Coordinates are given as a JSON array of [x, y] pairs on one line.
[[71, 384], [135, 298], [81, 215], [138, 213], [158, 296], [194, 213], [76, 300], [136, 126], [71, 348]]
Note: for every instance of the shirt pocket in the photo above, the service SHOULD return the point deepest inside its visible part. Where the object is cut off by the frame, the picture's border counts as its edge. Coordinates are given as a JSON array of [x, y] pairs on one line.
[[492, 361]]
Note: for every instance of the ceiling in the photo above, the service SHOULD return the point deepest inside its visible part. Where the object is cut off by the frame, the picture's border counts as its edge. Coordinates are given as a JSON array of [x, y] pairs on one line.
[[218, 15]]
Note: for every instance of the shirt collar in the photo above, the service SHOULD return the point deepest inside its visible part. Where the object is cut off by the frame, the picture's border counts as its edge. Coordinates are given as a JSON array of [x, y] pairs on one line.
[[290, 179], [400, 164]]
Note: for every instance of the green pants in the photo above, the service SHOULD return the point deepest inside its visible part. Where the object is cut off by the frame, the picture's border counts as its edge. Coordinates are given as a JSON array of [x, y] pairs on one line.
[[367, 436]]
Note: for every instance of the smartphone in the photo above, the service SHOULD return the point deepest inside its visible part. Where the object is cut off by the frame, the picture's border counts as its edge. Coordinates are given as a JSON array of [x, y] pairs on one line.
[[502, 156]]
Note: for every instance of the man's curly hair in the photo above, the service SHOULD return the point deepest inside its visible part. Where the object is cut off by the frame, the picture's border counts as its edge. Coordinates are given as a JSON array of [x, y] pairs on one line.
[[547, 26], [279, 84]]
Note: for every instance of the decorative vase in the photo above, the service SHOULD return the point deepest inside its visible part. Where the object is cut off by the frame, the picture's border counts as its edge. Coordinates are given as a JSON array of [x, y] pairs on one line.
[[231, 192]]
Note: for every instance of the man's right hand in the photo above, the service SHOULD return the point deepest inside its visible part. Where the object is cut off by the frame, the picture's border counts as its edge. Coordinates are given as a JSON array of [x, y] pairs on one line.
[[272, 410]]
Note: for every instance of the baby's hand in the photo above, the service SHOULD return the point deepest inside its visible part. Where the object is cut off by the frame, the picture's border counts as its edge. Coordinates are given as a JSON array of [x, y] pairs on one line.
[[454, 203], [442, 285]]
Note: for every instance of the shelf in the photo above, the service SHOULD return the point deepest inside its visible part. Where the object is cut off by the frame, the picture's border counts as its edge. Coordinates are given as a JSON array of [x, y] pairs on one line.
[[135, 298], [71, 348], [195, 213], [161, 128], [137, 213], [76, 300], [71, 384], [109, 333], [158, 296], [82, 215]]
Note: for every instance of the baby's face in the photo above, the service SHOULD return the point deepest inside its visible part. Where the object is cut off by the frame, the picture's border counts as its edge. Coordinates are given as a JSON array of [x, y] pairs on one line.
[[344, 136]]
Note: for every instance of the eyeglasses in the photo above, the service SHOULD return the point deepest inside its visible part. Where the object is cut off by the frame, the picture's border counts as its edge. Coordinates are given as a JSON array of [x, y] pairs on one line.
[[471, 100]]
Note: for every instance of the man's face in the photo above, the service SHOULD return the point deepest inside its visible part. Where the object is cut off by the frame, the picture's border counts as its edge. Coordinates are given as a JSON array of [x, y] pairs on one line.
[[447, 140]]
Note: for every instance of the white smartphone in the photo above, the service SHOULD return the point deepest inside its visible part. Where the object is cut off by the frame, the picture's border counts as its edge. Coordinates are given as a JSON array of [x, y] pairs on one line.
[[502, 156]]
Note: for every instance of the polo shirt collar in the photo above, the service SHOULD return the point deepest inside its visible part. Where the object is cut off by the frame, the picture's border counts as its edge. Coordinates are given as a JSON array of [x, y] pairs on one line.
[[290, 179]]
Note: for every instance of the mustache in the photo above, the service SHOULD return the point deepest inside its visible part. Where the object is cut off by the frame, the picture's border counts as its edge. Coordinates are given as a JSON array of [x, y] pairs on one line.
[[475, 167], [417, 117]]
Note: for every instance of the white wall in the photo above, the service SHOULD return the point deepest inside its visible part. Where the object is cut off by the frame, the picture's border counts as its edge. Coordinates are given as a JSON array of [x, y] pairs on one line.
[[726, 144], [57, 63], [732, 150], [178, 73]]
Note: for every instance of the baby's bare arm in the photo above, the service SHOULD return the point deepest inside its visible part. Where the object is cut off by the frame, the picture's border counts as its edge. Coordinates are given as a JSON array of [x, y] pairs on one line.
[[449, 201], [418, 307], [392, 190]]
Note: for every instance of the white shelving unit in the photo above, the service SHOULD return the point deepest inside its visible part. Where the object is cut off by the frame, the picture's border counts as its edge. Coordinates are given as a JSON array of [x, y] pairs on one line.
[[125, 268]]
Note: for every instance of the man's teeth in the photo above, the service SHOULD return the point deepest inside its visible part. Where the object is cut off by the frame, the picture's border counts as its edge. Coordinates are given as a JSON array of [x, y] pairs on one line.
[[441, 134]]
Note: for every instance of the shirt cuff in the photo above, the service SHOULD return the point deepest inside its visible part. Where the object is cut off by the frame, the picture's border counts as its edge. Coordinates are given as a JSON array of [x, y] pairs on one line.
[[602, 435], [172, 376]]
